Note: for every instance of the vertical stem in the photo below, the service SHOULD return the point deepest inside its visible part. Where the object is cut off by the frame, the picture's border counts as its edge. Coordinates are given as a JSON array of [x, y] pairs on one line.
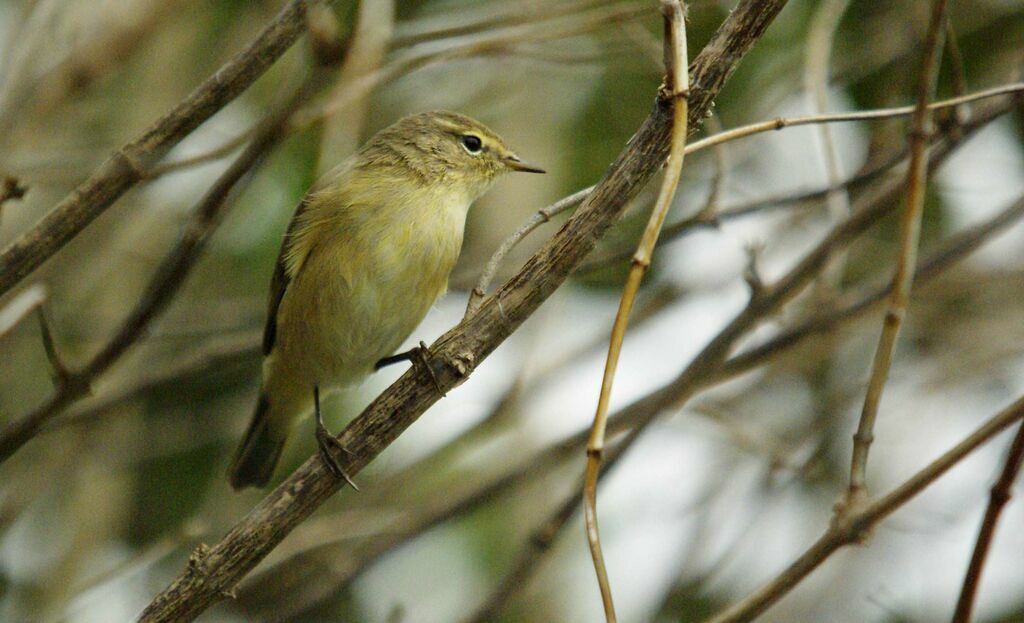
[[677, 90], [910, 234]]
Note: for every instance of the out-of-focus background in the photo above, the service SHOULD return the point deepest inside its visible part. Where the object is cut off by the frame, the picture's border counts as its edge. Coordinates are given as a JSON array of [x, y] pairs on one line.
[[100, 510]]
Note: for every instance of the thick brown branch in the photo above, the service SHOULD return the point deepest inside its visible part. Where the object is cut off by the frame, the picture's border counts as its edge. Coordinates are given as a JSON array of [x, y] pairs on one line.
[[217, 569], [129, 164]]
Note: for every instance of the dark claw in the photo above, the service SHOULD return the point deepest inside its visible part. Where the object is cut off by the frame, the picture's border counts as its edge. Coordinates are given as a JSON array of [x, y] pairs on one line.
[[418, 355], [325, 442]]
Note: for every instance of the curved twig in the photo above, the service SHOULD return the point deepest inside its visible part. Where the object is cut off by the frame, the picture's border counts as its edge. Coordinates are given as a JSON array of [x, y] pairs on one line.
[[677, 86]]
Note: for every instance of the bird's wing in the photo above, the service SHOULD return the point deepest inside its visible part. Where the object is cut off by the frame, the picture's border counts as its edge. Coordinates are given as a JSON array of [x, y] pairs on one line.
[[299, 241], [280, 280]]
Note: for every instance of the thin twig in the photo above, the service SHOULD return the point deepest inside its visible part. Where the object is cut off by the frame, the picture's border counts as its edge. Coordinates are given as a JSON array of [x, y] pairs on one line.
[[910, 233], [540, 542], [499, 43], [58, 370], [853, 526], [817, 61], [934, 264], [21, 306], [542, 216], [217, 569], [532, 14], [677, 86], [128, 165], [998, 497]]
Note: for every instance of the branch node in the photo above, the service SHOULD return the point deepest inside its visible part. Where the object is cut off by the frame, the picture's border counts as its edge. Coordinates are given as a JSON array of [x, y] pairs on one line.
[[462, 363], [132, 163], [845, 517], [752, 274], [197, 559]]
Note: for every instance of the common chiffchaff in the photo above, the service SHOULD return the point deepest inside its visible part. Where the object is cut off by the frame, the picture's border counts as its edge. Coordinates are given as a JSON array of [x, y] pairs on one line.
[[367, 253]]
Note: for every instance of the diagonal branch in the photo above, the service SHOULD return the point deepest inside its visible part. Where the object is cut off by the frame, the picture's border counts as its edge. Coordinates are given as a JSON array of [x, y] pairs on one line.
[[214, 571], [999, 496], [127, 166]]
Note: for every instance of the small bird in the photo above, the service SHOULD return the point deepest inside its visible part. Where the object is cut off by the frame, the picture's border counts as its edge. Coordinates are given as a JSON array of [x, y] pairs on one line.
[[366, 255]]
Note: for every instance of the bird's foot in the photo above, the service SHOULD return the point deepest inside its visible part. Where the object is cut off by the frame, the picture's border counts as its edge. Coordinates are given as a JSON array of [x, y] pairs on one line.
[[328, 444], [419, 355]]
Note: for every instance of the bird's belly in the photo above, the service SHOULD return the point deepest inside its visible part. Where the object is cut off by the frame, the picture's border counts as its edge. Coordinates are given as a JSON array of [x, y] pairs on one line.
[[350, 325]]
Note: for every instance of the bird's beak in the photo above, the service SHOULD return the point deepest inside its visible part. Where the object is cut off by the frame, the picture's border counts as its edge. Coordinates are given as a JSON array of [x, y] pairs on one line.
[[516, 164]]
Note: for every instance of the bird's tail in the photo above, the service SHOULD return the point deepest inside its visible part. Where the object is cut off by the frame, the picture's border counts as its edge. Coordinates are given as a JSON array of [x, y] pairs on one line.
[[259, 452]]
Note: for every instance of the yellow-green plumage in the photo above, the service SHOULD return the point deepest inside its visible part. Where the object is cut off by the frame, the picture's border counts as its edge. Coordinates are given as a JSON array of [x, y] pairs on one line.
[[366, 255]]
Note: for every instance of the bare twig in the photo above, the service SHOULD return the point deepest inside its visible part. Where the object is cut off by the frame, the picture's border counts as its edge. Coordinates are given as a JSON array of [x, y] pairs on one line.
[[542, 216], [503, 42], [950, 252], [999, 496], [910, 233], [677, 87], [59, 371], [211, 360], [852, 527], [540, 542], [128, 165], [217, 569], [20, 306], [532, 15], [817, 61]]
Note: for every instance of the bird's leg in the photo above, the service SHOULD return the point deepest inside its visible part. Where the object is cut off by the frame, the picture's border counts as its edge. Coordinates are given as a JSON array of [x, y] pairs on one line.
[[326, 442], [417, 355]]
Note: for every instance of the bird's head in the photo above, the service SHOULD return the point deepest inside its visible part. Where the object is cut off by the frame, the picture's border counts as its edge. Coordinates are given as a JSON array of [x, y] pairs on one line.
[[444, 148]]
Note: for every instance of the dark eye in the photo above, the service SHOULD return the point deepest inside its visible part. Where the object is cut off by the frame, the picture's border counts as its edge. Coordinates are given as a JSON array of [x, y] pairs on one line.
[[473, 144]]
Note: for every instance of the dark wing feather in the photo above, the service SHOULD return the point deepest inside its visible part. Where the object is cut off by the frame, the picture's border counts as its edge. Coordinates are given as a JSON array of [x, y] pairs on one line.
[[279, 284]]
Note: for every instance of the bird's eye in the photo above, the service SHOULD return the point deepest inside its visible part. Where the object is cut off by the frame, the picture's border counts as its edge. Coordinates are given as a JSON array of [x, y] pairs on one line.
[[472, 143]]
